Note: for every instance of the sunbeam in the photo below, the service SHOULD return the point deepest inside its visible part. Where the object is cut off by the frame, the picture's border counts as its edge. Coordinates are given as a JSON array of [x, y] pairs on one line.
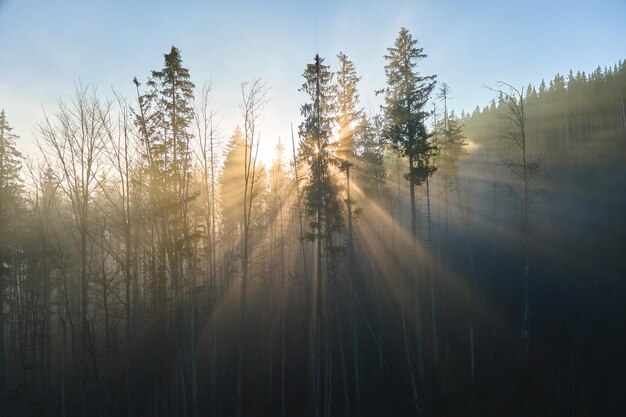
[[166, 252]]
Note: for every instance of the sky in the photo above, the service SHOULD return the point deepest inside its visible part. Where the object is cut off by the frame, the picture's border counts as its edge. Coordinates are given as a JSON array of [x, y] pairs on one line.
[[49, 46]]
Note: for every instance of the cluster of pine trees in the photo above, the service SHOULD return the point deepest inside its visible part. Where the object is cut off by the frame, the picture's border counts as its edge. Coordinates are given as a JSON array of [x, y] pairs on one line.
[[145, 269]]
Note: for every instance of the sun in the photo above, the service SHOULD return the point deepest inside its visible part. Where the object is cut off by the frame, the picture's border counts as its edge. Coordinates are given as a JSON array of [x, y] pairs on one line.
[[267, 150]]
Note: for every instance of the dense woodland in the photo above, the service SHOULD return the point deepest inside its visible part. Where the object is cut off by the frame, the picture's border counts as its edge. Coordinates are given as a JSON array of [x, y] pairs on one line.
[[407, 262]]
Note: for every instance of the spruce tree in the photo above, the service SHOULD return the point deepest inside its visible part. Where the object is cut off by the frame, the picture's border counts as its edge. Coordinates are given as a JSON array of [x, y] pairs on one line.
[[349, 115], [451, 144], [172, 92], [10, 183], [164, 119], [450, 147], [406, 95], [319, 151], [350, 122], [321, 196], [230, 190], [10, 190]]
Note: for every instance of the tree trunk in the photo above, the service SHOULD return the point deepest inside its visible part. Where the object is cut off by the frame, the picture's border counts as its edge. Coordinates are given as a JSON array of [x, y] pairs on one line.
[[472, 362], [352, 293], [283, 297], [318, 324], [418, 320], [195, 412], [242, 316], [433, 314], [407, 351], [2, 350]]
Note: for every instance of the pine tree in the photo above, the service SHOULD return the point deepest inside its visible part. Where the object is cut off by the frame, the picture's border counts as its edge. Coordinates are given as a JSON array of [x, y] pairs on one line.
[[406, 95], [349, 115], [172, 95], [451, 145], [10, 183], [164, 119], [230, 187], [351, 124], [369, 148], [319, 151], [321, 197], [10, 190]]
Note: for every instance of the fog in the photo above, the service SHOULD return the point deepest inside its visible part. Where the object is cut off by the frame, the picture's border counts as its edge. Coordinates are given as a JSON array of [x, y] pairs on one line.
[[408, 261]]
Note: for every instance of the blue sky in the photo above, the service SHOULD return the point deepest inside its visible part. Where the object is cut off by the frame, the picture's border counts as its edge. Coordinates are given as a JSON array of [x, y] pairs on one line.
[[47, 46]]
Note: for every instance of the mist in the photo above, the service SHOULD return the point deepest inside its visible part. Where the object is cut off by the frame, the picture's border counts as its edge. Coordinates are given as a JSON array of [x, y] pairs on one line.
[[403, 260]]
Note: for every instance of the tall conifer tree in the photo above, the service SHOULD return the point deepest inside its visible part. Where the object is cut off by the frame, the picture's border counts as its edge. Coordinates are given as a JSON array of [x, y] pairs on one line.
[[321, 196], [164, 119], [10, 187], [351, 124], [406, 95]]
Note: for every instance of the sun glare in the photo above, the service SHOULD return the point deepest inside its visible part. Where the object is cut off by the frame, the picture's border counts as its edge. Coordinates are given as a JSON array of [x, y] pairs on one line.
[[471, 145], [267, 150]]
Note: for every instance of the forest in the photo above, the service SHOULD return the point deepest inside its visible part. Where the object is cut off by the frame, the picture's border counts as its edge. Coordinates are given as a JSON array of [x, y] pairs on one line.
[[406, 261]]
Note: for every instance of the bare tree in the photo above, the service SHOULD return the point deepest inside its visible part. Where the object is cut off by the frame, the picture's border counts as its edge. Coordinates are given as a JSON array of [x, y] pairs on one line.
[[71, 142], [121, 157], [254, 98], [206, 156], [205, 153], [525, 169]]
